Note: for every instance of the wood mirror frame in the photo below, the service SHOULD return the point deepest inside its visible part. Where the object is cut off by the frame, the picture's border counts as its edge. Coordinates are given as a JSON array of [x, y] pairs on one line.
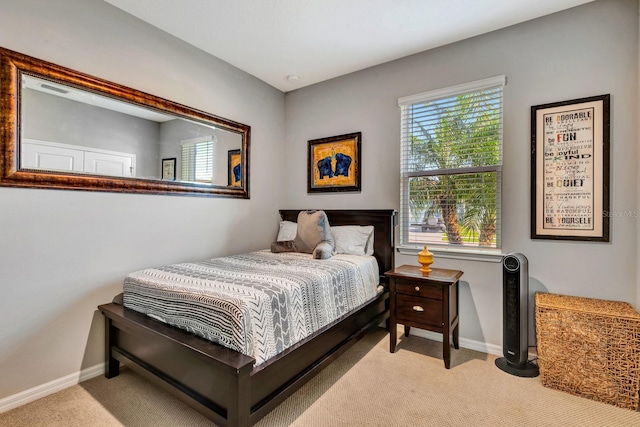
[[14, 65]]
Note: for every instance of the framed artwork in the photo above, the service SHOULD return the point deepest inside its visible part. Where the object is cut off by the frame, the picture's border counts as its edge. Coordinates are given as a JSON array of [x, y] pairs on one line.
[[570, 170], [169, 169], [333, 164], [235, 169]]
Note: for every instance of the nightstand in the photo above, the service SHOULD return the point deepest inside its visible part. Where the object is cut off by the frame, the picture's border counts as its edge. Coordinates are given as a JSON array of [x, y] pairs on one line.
[[427, 301]]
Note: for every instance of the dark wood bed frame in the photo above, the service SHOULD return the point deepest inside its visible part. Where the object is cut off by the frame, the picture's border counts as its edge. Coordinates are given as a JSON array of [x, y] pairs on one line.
[[223, 384]]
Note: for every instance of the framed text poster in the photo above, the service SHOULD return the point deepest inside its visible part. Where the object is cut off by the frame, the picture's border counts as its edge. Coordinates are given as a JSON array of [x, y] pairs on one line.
[[570, 170]]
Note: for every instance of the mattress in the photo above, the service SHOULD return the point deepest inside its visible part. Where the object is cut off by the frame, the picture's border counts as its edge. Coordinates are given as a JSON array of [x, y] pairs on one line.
[[259, 303]]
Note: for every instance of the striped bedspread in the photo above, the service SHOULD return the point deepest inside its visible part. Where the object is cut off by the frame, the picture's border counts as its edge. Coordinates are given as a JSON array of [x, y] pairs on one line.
[[258, 303]]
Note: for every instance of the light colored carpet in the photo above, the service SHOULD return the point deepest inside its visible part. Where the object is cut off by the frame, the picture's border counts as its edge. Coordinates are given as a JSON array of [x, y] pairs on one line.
[[366, 386]]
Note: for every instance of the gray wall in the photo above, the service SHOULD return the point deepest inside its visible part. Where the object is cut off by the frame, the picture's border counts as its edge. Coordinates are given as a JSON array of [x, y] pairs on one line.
[[585, 51], [54, 119], [65, 252]]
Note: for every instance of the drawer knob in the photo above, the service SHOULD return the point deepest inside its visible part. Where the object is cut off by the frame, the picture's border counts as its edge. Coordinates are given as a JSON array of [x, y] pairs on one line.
[[418, 308], [417, 288]]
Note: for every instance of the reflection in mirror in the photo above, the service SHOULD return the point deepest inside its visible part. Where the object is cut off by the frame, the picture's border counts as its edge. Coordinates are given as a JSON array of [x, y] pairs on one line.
[[80, 132], [66, 129]]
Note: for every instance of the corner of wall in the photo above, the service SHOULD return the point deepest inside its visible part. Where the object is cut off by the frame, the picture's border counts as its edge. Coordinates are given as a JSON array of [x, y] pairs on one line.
[[638, 169]]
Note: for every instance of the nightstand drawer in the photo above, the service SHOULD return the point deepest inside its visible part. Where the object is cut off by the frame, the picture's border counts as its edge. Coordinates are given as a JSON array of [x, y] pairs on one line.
[[418, 310], [418, 288]]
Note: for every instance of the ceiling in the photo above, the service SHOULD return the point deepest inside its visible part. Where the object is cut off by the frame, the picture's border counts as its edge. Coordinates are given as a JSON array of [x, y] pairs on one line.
[[316, 40]]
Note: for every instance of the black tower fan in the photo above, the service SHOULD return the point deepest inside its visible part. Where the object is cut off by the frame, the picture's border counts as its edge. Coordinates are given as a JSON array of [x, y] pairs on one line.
[[515, 308]]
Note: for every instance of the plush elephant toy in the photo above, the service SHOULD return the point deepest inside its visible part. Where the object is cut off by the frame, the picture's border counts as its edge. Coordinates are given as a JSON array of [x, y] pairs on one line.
[[313, 236]]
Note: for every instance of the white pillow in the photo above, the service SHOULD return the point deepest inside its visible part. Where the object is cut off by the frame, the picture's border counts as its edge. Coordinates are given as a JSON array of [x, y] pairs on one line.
[[353, 239], [369, 248], [288, 230]]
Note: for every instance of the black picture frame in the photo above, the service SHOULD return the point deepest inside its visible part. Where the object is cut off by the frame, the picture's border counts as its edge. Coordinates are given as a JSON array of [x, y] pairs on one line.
[[570, 180], [333, 164], [169, 169]]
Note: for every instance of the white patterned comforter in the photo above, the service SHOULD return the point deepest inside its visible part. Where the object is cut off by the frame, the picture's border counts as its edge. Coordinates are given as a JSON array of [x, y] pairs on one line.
[[258, 303]]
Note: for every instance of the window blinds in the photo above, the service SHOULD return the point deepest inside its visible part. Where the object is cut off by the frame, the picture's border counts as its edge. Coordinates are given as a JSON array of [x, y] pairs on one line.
[[451, 162], [197, 159]]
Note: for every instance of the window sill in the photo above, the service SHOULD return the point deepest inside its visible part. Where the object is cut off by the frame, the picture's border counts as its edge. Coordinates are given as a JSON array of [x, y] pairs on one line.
[[485, 255]]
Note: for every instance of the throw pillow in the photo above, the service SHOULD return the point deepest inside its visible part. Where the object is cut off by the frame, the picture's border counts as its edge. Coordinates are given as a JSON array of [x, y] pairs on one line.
[[313, 229]]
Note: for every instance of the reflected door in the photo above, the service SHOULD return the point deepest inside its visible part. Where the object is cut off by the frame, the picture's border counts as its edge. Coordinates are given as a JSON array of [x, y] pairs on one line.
[[72, 158], [108, 164], [51, 157]]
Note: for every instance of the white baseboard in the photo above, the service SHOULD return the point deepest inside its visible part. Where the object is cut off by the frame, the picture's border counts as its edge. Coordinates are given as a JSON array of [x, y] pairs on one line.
[[51, 387], [483, 347]]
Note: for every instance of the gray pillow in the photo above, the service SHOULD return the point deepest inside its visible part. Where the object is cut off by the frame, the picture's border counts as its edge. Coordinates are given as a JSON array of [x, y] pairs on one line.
[[283, 246], [313, 236]]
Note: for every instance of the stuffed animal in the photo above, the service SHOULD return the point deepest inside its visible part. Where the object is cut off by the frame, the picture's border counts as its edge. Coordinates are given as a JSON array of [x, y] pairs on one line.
[[313, 236]]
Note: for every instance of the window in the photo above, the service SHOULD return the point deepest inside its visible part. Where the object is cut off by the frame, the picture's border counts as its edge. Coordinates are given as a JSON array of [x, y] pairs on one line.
[[197, 159], [451, 165]]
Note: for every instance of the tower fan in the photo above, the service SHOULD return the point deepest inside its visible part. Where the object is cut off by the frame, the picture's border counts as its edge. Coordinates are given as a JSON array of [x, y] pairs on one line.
[[515, 308]]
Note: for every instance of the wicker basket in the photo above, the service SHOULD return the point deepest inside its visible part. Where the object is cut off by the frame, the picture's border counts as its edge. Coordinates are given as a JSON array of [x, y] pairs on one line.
[[590, 348]]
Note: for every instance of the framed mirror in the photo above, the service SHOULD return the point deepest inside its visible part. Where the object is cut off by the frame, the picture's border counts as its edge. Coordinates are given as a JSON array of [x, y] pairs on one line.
[[67, 130]]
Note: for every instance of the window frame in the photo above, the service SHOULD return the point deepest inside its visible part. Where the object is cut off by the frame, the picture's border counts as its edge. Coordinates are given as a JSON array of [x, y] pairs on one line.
[[444, 249]]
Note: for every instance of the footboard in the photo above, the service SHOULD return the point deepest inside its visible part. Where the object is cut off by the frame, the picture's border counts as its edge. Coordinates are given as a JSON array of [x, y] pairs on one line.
[[212, 379], [218, 382]]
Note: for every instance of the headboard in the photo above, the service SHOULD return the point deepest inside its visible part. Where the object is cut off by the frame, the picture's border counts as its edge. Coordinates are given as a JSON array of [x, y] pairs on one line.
[[383, 221]]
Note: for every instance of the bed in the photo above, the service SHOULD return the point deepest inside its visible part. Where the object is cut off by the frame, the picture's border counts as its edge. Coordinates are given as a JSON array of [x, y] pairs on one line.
[[227, 386]]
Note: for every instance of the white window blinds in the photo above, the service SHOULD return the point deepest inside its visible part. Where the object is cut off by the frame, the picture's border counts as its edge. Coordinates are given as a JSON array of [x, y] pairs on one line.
[[197, 159], [451, 163]]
